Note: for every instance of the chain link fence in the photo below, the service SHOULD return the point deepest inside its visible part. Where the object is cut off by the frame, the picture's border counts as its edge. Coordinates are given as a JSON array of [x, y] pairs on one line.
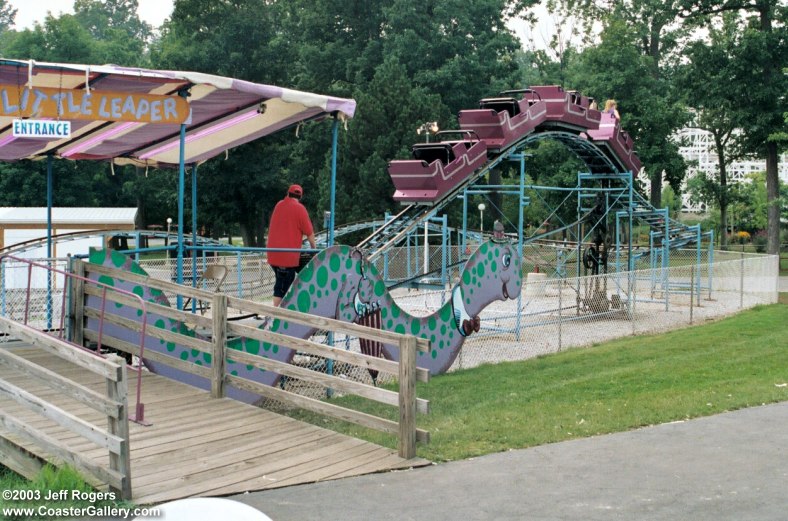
[[561, 307]]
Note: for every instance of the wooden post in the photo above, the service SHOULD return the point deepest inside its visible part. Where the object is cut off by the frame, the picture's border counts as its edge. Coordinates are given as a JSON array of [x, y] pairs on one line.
[[407, 397], [118, 392], [78, 304], [219, 309]]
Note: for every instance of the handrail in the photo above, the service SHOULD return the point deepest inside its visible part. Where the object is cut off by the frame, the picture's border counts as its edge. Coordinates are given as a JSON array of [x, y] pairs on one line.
[[219, 327], [139, 409], [114, 405]]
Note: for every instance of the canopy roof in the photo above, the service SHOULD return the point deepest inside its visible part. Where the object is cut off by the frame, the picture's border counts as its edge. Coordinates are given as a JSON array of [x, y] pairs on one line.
[[225, 112]]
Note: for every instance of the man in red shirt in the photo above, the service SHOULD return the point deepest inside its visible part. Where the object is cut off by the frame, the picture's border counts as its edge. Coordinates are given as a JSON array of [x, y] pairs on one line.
[[289, 224]]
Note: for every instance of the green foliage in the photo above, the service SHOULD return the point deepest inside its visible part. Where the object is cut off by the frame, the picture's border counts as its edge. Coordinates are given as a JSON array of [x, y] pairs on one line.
[[7, 15], [671, 200], [50, 479], [616, 386]]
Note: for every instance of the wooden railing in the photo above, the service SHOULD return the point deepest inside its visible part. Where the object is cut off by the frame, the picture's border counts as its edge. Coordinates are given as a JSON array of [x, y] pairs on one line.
[[114, 405], [218, 328]]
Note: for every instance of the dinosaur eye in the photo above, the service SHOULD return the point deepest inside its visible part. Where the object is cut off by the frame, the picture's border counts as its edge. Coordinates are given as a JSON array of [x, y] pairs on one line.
[[507, 260]]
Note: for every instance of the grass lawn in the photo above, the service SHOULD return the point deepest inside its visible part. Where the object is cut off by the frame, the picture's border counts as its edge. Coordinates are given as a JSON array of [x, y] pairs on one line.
[[738, 362], [734, 363]]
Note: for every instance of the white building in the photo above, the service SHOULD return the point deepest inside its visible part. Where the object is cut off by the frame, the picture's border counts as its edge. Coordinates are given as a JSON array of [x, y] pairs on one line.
[[698, 149]]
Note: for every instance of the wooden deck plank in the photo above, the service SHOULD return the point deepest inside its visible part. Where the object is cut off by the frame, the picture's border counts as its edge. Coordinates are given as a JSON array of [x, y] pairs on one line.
[[197, 445]]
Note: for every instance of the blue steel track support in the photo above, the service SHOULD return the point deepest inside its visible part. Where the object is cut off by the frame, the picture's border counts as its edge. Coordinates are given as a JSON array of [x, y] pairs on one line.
[[331, 220], [194, 233], [181, 182], [49, 240]]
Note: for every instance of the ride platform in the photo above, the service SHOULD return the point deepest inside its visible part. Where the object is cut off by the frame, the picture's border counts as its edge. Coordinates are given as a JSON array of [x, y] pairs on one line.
[[195, 445]]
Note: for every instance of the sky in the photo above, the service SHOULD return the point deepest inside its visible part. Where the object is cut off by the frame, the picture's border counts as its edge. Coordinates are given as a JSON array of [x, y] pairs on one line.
[[156, 11], [31, 11]]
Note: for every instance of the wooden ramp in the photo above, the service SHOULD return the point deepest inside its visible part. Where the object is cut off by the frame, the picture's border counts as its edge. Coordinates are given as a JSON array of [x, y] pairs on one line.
[[197, 445]]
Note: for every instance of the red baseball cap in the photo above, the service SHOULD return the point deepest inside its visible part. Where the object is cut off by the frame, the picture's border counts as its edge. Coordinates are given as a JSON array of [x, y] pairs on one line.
[[295, 190]]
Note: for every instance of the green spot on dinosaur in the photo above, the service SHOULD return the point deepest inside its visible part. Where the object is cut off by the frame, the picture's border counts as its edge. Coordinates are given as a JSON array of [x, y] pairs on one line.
[[234, 373], [415, 327], [384, 313], [252, 346], [380, 288], [306, 274], [334, 284], [184, 355], [432, 323], [170, 346], [400, 328], [304, 301], [136, 268], [275, 350], [195, 353], [207, 357], [494, 267], [334, 262], [139, 312], [395, 311], [249, 367], [434, 354], [322, 276], [267, 346], [106, 279], [276, 325], [466, 277], [159, 323], [118, 259], [480, 269]]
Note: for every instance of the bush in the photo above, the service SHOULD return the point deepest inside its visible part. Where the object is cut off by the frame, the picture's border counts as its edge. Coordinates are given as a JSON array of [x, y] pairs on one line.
[[760, 241]]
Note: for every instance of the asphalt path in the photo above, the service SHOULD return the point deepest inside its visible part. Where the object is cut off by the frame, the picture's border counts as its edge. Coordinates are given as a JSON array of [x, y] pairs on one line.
[[731, 466]]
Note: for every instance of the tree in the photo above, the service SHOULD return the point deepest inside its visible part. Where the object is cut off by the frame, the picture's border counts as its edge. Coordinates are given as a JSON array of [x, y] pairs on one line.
[[7, 15], [764, 53], [121, 37], [650, 110], [705, 81], [650, 31]]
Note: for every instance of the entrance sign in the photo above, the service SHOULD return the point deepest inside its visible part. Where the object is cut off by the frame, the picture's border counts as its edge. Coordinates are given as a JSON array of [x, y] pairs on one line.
[[70, 104], [42, 128]]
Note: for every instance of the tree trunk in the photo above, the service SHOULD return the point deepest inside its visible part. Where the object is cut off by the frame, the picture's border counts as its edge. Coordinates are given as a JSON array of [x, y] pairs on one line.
[[656, 190], [247, 234], [723, 201], [772, 200]]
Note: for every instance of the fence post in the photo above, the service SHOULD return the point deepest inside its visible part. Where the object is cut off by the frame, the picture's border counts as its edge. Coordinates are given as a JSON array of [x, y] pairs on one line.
[[560, 314], [692, 291], [118, 392], [78, 303], [633, 299], [741, 281], [219, 309], [407, 397]]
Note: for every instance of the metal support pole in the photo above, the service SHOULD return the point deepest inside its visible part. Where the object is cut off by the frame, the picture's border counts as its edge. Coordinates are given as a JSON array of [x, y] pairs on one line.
[[194, 225], [181, 182], [630, 260], [334, 139], [49, 240], [741, 281], [711, 260], [666, 260], [697, 267], [560, 315], [464, 221], [692, 291]]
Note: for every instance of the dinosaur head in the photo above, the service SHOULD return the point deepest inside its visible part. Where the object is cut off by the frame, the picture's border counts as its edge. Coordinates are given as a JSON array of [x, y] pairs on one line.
[[493, 272]]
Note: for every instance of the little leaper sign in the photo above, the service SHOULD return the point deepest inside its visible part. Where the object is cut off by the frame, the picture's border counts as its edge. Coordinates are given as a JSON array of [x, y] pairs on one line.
[[70, 104]]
